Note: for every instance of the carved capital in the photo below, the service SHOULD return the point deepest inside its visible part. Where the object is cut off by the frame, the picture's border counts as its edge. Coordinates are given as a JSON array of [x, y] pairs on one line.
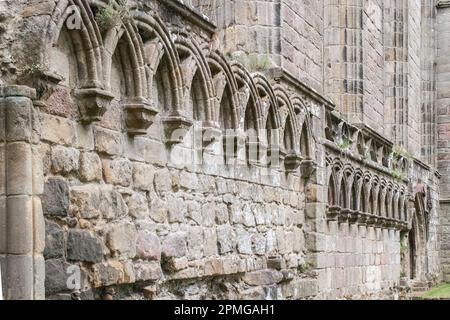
[[333, 213], [176, 128], [140, 115], [93, 103], [292, 161], [308, 167]]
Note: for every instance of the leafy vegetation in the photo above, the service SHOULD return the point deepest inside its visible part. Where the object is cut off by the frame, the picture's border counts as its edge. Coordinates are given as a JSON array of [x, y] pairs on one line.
[[111, 16]]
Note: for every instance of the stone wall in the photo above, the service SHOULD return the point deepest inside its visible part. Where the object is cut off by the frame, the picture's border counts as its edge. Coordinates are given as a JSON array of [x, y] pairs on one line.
[[143, 199], [443, 95]]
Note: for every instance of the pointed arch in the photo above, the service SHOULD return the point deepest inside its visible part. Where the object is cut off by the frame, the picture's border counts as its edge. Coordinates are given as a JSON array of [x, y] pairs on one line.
[[227, 103], [199, 87], [332, 200], [165, 70], [249, 100]]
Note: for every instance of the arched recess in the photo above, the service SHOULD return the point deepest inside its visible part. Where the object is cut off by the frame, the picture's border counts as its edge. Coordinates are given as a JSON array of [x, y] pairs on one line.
[[343, 194], [124, 47], [199, 91], [332, 199], [227, 100], [388, 201], [371, 202], [354, 196], [395, 200], [271, 138], [165, 81], [252, 115], [86, 48], [307, 145], [375, 188], [362, 199], [290, 130]]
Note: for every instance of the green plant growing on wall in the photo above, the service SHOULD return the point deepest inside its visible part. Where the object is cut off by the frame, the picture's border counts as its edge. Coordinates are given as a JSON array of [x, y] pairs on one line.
[[32, 70], [344, 144], [403, 274], [399, 153], [111, 16]]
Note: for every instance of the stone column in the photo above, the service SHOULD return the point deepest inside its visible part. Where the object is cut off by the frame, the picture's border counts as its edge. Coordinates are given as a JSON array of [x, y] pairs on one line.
[[22, 235]]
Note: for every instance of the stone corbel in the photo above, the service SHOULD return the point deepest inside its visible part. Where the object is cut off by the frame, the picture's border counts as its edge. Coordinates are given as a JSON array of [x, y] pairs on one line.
[[372, 220], [363, 218], [176, 128], [333, 213], [354, 216], [277, 151], [93, 103], [140, 115], [293, 161], [345, 216], [308, 167]]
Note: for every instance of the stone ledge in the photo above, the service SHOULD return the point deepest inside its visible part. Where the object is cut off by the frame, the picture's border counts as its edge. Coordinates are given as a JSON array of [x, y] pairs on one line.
[[17, 91]]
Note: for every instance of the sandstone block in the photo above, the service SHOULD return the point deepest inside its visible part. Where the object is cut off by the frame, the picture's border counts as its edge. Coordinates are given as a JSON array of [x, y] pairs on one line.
[[225, 239], [150, 271], [174, 246], [108, 142], [143, 176], [121, 239], [148, 246], [90, 167], [263, 277], [138, 206], [118, 172], [65, 160]]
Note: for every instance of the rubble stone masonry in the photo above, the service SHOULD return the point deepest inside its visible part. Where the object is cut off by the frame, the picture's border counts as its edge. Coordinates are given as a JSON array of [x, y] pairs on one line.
[[117, 179]]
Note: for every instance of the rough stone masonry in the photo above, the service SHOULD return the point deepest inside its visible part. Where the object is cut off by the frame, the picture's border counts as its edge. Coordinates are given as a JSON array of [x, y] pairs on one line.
[[215, 149]]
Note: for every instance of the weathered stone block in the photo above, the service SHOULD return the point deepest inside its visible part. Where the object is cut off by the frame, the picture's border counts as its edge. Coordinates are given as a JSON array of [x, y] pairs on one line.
[[90, 167], [82, 246], [118, 172], [55, 200], [148, 246], [138, 206], [158, 210], [177, 209], [85, 202], [56, 276], [107, 274], [163, 181], [20, 224], [263, 277], [54, 240], [174, 246], [19, 175], [150, 271], [143, 175], [108, 142], [121, 239], [65, 160], [226, 239], [57, 130]]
